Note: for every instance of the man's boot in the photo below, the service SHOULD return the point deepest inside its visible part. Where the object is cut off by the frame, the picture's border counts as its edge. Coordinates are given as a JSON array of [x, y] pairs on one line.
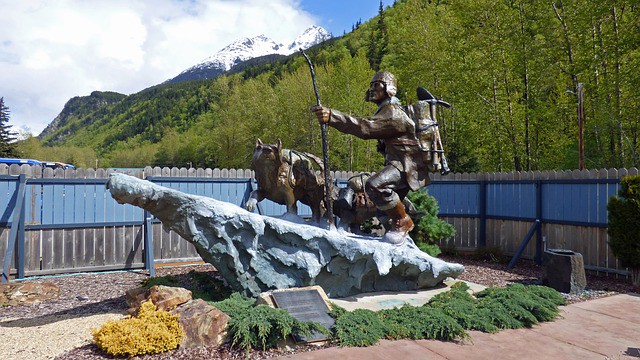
[[401, 224]]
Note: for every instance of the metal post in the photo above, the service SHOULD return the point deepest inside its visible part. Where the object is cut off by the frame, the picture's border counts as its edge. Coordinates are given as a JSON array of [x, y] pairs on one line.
[[149, 261]]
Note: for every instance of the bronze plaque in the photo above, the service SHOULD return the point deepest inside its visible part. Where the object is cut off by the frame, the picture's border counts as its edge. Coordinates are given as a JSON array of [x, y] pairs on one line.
[[305, 305]]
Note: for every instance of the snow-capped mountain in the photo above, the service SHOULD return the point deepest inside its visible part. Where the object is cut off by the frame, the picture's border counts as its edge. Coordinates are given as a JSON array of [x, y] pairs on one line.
[[250, 48], [312, 36]]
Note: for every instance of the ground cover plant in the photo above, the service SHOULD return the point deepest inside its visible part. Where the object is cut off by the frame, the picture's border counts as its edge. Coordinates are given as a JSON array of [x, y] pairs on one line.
[[447, 316], [261, 326]]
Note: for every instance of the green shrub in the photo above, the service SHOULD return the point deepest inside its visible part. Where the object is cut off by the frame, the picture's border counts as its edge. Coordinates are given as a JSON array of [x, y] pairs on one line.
[[449, 314], [526, 304], [624, 225], [235, 305], [261, 326], [421, 322], [428, 229], [152, 331], [360, 327], [461, 306]]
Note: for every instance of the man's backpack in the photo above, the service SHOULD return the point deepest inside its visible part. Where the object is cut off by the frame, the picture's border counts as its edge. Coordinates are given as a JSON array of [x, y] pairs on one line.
[[427, 132]]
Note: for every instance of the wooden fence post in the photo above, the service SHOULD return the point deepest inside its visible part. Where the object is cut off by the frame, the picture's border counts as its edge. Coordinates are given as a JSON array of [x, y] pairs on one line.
[[482, 226], [16, 234]]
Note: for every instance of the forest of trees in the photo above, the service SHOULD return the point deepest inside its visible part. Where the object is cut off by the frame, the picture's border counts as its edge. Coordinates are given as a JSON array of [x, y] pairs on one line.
[[510, 68]]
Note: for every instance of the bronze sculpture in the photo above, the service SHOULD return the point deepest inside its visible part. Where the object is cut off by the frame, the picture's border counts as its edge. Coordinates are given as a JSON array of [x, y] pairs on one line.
[[286, 176], [405, 167]]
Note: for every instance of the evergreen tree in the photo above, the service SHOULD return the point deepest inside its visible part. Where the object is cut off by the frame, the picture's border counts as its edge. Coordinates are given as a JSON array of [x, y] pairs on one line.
[[378, 41], [7, 137]]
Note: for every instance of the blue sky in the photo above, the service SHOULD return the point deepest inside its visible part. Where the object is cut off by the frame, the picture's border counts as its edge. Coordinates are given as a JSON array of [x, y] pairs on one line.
[[338, 16], [51, 51]]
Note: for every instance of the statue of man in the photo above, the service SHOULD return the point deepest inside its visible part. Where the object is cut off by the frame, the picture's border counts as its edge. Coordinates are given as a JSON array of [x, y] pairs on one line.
[[403, 170]]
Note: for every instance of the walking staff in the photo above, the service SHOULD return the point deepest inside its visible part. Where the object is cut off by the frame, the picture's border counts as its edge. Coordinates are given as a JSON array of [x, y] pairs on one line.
[[325, 146]]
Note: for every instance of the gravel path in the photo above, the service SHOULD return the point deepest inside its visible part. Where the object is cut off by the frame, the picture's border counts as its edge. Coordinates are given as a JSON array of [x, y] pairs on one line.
[[61, 329]]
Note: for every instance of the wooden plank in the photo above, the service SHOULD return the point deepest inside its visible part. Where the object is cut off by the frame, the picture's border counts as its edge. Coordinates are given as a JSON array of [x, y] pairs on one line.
[[78, 250], [166, 244], [490, 238], [33, 204], [112, 211], [58, 249], [75, 205], [68, 247], [89, 202], [47, 249], [90, 241], [58, 206], [176, 240], [109, 246], [48, 203], [119, 244], [128, 239], [138, 245], [32, 250], [157, 241]]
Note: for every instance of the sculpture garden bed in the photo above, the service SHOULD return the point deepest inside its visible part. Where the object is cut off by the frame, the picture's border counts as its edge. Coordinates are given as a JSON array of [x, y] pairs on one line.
[[84, 297]]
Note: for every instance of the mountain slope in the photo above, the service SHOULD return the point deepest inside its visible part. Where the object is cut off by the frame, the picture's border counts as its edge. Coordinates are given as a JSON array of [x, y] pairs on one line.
[[79, 107], [77, 115]]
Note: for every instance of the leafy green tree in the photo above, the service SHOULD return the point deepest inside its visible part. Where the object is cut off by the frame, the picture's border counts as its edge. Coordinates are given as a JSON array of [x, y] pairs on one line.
[[7, 137]]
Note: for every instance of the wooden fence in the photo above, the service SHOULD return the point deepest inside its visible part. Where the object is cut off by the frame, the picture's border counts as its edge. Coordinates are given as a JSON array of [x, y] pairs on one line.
[[71, 224], [553, 209]]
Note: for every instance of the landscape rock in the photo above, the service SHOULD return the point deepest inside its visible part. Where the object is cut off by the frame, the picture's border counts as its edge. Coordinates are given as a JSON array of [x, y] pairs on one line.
[[27, 293], [203, 324], [163, 297], [257, 253]]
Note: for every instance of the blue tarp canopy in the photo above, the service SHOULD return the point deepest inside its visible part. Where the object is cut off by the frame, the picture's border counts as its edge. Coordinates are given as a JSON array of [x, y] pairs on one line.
[[10, 161]]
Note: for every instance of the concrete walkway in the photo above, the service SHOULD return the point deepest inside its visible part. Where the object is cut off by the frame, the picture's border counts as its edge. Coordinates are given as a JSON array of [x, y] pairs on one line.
[[607, 328]]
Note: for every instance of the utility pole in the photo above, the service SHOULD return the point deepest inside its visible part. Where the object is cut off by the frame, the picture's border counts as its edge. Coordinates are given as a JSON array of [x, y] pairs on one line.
[[580, 126]]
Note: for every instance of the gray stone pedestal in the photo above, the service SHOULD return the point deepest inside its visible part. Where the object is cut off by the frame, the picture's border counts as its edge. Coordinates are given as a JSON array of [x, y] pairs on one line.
[[564, 271]]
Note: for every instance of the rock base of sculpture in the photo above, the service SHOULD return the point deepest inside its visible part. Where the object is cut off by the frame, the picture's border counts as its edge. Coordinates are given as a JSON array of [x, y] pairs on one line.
[[256, 253]]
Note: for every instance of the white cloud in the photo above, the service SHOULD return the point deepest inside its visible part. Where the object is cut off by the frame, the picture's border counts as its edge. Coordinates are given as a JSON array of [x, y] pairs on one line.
[[51, 51]]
